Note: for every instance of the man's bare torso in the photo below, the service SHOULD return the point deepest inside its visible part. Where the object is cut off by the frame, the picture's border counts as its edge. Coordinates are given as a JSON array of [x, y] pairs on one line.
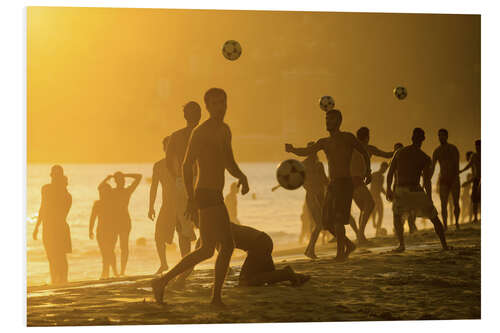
[[338, 149]]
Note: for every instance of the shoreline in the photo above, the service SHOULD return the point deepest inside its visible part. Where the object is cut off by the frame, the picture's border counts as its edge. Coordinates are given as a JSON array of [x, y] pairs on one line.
[[422, 283]]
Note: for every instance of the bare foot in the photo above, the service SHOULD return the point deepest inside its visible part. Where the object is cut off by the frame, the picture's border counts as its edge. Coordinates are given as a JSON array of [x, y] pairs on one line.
[[350, 248], [161, 269], [399, 250], [310, 254], [158, 290]]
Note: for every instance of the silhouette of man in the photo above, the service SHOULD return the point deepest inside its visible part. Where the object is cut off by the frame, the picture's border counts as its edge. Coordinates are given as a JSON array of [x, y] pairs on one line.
[[465, 198], [120, 196], [362, 196], [102, 210], [408, 165], [165, 226], [376, 190], [315, 185], [54, 208], [231, 202], [210, 148], [258, 268], [338, 148], [449, 182], [475, 164], [411, 215]]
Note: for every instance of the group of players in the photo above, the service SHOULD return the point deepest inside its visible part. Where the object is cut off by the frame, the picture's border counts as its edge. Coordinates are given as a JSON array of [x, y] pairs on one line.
[[202, 152]]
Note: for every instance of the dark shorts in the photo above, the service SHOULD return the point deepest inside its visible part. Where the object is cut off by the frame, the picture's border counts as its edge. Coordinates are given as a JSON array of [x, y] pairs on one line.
[[449, 185], [258, 260], [476, 191], [214, 226], [338, 201], [206, 198]]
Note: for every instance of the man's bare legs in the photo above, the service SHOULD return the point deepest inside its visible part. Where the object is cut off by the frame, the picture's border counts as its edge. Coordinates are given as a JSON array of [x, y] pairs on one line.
[[444, 195], [438, 227], [363, 219], [399, 228], [455, 194], [310, 250], [185, 248], [221, 266], [161, 249]]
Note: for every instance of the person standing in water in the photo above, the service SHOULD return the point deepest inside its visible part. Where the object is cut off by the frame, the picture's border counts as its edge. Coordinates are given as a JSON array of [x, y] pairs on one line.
[[408, 165], [210, 148], [315, 185], [475, 164], [54, 208], [102, 210], [376, 190], [338, 148], [231, 202], [120, 196], [449, 182]]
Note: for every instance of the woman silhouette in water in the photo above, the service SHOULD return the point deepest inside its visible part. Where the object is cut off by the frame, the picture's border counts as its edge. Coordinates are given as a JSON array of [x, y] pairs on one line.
[[120, 196], [102, 210]]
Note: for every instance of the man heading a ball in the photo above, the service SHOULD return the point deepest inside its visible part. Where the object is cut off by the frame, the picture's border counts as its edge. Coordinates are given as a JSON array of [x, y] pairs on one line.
[[210, 148], [338, 148]]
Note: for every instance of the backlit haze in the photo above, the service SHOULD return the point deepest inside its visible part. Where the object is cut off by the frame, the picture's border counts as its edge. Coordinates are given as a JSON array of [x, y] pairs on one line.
[[106, 85]]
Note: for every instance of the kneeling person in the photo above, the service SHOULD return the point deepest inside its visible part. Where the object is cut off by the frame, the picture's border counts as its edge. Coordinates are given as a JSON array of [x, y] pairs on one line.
[[258, 268]]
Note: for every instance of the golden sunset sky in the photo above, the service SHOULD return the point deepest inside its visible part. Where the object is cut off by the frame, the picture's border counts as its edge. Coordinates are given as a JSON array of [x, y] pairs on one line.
[[106, 84]]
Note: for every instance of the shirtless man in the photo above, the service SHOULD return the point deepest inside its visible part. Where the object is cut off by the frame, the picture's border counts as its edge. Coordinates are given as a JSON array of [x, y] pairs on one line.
[[475, 164], [315, 185], [210, 148], [362, 196], [164, 228], [408, 165], [376, 190], [448, 157], [176, 150], [338, 148], [411, 215]]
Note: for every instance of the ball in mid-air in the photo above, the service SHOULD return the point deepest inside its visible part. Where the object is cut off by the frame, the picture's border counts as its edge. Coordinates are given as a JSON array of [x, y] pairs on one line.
[[326, 103], [400, 92], [291, 174], [231, 50]]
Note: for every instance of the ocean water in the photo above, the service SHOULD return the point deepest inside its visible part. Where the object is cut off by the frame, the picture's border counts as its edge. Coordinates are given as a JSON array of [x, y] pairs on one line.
[[277, 213]]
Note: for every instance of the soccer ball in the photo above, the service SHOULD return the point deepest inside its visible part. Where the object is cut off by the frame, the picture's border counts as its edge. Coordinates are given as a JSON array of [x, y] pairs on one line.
[[231, 50], [400, 92], [291, 174], [326, 103]]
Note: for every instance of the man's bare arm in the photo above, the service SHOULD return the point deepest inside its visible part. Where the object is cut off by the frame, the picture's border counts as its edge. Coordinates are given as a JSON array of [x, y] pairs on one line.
[[380, 153], [390, 175], [434, 161], [359, 147], [231, 164], [152, 192], [192, 152], [468, 166], [93, 217], [170, 157], [427, 179], [306, 151]]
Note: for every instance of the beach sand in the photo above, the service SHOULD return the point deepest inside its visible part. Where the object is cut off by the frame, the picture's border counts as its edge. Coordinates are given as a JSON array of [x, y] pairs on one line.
[[422, 283]]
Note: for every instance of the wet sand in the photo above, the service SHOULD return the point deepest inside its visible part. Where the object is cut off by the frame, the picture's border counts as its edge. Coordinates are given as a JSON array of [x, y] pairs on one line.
[[422, 283]]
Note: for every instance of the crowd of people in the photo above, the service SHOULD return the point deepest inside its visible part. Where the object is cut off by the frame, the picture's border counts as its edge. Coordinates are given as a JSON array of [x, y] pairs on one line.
[[192, 176]]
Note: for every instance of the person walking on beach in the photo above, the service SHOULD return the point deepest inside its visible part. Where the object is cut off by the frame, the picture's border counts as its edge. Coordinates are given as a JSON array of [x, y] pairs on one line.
[[465, 198], [258, 268], [120, 196], [164, 229], [408, 165], [376, 190], [315, 185], [54, 208], [102, 210], [210, 148], [449, 182], [231, 202], [475, 164], [362, 196], [338, 148]]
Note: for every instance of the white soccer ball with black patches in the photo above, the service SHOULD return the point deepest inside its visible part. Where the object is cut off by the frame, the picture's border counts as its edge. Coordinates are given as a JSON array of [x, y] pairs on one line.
[[291, 174], [231, 50], [326, 103], [400, 92]]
